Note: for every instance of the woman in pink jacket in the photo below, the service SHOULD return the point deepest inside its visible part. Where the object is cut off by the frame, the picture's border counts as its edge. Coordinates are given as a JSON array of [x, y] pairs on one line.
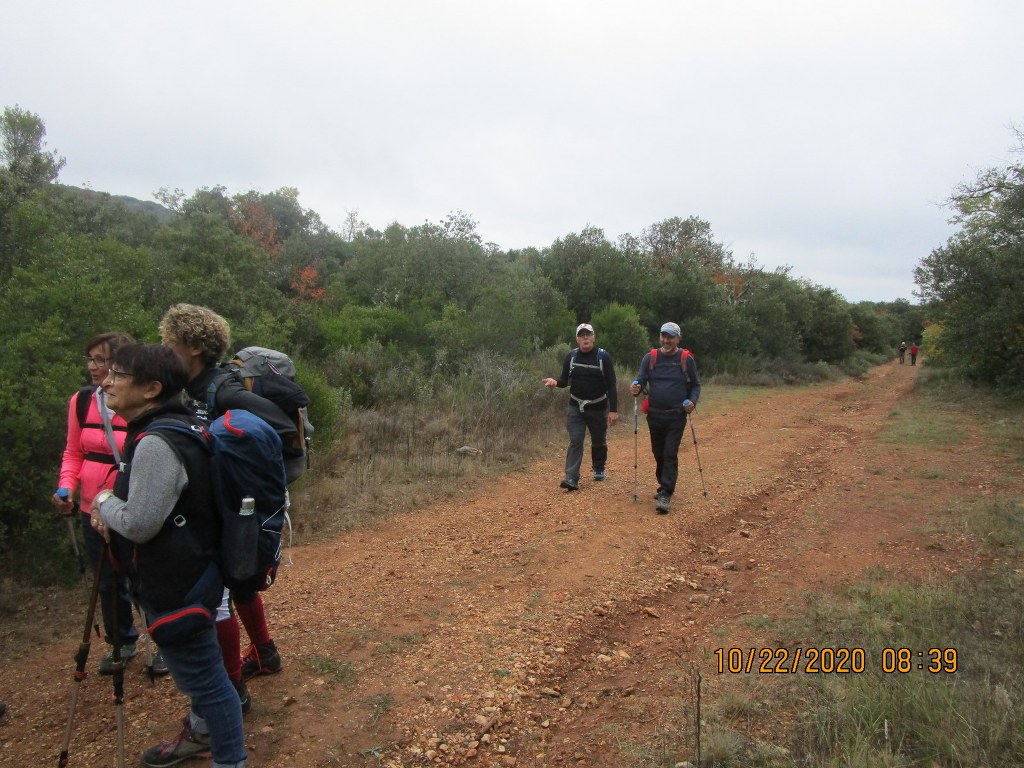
[[88, 467]]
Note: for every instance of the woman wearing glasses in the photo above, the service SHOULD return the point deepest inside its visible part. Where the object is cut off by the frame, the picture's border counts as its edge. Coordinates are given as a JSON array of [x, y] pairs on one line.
[[89, 466], [168, 530]]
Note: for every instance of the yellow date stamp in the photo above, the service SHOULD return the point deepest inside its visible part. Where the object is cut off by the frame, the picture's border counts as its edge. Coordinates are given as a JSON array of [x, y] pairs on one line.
[[838, 660]]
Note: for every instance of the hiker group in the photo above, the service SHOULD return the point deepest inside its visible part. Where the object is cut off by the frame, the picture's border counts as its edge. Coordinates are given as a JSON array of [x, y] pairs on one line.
[[902, 351], [181, 466], [668, 374]]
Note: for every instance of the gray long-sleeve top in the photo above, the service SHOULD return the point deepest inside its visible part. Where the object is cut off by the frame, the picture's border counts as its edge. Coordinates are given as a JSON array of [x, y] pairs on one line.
[[158, 480]]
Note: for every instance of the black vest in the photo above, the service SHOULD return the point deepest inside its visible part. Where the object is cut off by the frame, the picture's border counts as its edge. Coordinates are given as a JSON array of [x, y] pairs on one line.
[[166, 567]]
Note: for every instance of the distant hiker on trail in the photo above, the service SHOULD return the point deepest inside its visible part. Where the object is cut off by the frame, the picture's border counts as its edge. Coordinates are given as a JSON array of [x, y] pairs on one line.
[[201, 338], [913, 354], [589, 373], [902, 351], [88, 466], [168, 532], [673, 384]]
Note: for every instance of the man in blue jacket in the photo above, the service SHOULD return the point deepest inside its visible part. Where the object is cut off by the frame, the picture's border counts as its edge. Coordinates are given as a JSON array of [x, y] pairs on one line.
[[670, 376]]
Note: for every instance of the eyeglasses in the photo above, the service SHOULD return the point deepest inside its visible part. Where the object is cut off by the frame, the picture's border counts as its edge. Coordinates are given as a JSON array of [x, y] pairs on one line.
[[99, 362], [114, 374]]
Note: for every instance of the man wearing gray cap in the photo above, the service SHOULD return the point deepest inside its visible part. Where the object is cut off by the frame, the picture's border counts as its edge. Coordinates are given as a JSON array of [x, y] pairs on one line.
[[590, 375], [670, 376]]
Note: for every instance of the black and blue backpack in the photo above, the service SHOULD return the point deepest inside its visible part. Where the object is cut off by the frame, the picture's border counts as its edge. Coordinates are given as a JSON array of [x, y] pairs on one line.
[[250, 492]]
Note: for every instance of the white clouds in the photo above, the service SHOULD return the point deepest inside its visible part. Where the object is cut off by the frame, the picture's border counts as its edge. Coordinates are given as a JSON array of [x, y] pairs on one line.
[[813, 134]]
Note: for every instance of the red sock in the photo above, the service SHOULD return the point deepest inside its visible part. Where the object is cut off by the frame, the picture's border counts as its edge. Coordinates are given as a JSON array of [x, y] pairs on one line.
[[230, 636], [255, 620]]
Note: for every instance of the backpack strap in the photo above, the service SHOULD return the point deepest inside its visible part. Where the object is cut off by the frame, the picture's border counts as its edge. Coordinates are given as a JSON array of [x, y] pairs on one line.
[[83, 399], [600, 360], [82, 404], [214, 386], [684, 353]]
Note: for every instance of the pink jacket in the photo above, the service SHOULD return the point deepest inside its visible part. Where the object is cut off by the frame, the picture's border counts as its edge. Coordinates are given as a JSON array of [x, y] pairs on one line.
[[87, 456]]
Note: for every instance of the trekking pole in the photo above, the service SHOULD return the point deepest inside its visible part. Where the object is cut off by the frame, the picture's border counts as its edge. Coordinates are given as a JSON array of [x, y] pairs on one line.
[[147, 649], [78, 554], [636, 451], [699, 467], [82, 657], [63, 494], [74, 546], [118, 676]]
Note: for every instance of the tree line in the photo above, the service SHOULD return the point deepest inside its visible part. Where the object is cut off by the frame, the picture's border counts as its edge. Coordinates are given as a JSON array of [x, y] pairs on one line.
[[376, 318]]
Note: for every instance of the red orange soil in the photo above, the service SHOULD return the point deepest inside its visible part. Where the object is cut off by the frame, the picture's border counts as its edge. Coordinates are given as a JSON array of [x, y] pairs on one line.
[[521, 625]]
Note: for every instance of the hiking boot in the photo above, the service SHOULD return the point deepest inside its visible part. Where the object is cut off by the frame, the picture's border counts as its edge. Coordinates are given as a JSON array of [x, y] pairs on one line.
[[158, 666], [186, 745], [662, 505], [569, 485], [244, 697], [261, 660], [107, 663], [599, 475]]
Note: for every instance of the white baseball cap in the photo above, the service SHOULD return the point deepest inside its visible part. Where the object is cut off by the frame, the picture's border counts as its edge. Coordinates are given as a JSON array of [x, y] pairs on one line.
[[584, 327]]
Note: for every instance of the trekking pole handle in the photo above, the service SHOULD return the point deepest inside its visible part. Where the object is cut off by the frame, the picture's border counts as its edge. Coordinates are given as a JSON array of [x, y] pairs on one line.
[[62, 501]]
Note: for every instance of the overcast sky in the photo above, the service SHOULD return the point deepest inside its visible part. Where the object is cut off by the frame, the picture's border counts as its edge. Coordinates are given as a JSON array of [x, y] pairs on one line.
[[820, 135]]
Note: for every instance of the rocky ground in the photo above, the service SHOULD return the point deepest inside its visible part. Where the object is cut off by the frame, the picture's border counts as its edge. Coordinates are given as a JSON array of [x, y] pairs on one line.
[[520, 625]]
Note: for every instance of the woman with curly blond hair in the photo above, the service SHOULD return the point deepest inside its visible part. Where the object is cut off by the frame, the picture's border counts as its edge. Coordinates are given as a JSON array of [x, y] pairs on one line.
[[201, 338]]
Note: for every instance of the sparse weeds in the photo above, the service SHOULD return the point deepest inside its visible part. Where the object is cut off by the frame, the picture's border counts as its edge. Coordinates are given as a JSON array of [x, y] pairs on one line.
[[911, 705], [941, 676], [942, 680], [759, 622], [380, 705], [660, 751], [425, 445], [999, 523], [332, 670], [398, 643]]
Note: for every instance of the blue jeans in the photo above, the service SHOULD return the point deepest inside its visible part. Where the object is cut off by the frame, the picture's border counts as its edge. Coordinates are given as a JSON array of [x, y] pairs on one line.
[[125, 620], [666, 434], [577, 425], [198, 671]]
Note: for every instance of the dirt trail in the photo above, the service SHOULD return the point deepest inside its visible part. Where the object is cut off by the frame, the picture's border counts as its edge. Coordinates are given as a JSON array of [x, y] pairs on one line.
[[525, 626]]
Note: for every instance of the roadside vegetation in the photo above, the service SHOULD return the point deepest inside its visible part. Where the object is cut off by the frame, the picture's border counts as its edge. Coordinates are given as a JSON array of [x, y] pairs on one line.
[[422, 346], [956, 706]]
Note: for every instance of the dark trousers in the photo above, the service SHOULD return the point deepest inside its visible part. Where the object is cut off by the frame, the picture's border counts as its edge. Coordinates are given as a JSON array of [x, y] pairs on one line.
[[578, 424], [666, 429], [126, 624]]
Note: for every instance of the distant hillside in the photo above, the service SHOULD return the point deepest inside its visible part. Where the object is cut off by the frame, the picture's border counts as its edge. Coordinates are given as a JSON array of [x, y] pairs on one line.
[[131, 203]]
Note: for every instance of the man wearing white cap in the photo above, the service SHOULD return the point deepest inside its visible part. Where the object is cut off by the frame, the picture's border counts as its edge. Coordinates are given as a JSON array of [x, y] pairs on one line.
[[670, 376], [590, 375]]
